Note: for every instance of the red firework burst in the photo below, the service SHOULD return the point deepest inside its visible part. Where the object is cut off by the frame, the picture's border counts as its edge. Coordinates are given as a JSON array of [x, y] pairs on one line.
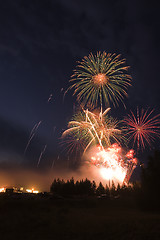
[[143, 127]]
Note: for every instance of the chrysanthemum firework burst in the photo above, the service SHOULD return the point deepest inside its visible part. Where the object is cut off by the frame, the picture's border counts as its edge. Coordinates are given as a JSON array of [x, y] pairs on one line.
[[100, 78], [143, 127]]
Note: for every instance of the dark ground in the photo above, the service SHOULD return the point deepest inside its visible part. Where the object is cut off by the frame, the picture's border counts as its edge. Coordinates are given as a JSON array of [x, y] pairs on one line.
[[33, 217]]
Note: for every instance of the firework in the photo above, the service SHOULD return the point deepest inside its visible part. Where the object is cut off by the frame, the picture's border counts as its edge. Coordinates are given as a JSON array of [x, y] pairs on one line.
[[79, 134], [113, 163], [100, 78], [105, 128], [87, 128], [142, 128]]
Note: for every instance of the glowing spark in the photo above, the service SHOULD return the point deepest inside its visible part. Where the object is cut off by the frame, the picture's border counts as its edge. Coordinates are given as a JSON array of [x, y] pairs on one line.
[[50, 97]]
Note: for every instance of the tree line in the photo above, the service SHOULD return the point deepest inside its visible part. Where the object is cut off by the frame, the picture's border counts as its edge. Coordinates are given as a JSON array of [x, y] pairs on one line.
[[88, 188], [146, 192]]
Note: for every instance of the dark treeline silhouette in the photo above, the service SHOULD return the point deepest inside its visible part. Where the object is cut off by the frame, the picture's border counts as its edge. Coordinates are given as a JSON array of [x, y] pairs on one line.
[[145, 193], [88, 188], [149, 196]]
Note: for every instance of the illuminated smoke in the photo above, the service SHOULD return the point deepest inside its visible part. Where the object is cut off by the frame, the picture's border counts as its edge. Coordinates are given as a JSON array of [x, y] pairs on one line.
[[113, 163]]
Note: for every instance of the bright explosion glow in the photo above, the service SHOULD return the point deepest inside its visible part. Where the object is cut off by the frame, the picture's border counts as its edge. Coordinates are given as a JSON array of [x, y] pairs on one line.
[[113, 164]]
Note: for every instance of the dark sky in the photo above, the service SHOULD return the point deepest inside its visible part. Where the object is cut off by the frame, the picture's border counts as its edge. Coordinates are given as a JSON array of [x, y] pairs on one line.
[[40, 42]]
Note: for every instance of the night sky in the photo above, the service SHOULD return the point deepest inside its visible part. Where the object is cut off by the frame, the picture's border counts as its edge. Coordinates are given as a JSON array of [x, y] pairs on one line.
[[40, 44]]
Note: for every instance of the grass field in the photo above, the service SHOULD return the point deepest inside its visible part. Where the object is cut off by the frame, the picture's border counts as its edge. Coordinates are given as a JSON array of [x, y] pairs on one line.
[[45, 219]]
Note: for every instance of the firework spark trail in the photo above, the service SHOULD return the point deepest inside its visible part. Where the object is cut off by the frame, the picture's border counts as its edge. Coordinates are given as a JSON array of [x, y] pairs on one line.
[[33, 131], [106, 130], [76, 140], [44, 149], [50, 97], [88, 145], [100, 142], [53, 162]]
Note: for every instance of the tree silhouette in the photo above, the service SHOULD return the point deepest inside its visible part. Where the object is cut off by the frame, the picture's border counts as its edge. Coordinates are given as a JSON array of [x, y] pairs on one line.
[[100, 189], [113, 189], [94, 188], [151, 182]]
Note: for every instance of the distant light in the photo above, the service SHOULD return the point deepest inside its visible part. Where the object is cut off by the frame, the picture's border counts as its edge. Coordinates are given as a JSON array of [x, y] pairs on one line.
[[29, 190], [2, 189], [35, 191], [32, 191]]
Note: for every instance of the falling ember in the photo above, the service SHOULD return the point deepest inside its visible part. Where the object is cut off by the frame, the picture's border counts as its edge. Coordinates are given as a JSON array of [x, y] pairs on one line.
[[113, 164]]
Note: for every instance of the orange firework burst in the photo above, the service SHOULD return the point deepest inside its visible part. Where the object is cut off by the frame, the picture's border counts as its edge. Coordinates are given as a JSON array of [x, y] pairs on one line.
[[142, 127]]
